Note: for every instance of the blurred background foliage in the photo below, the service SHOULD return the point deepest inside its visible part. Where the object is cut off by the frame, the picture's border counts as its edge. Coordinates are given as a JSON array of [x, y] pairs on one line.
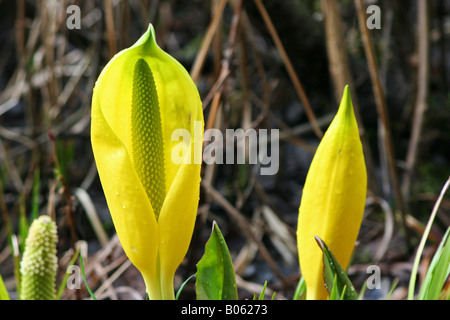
[[257, 64]]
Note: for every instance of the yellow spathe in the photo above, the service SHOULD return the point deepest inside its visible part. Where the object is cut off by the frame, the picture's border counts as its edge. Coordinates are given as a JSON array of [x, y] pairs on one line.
[[333, 199], [139, 99]]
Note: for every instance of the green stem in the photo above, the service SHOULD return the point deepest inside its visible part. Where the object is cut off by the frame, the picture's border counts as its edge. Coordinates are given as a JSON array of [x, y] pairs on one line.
[[412, 280]]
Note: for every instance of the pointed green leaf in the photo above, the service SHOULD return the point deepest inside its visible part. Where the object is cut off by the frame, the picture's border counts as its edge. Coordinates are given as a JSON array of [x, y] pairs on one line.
[[333, 293], [85, 279], [215, 273], [438, 271], [3, 292], [300, 291], [182, 286], [332, 268]]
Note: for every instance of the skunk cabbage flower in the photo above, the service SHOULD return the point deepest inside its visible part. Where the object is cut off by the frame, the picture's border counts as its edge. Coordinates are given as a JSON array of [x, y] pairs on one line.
[[140, 98], [39, 262], [333, 199]]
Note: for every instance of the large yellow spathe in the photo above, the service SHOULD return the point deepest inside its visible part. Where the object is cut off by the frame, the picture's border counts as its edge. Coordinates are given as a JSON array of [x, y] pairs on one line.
[[333, 199], [140, 98]]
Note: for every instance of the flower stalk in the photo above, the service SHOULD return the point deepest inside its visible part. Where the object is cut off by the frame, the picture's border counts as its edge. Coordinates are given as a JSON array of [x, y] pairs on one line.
[[39, 262]]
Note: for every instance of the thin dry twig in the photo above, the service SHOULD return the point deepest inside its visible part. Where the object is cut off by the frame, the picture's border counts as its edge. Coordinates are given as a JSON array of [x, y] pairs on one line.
[[289, 67], [341, 75], [422, 95], [245, 226], [382, 112], [110, 28], [212, 29]]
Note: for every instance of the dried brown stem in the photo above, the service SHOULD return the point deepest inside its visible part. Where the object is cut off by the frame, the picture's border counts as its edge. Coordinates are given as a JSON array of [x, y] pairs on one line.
[[382, 110], [110, 28], [289, 67], [340, 73], [244, 225], [212, 28], [422, 94]]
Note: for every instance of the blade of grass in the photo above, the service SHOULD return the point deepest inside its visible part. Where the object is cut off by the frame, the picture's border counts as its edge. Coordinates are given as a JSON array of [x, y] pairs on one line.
[[35, 195], [63, 284], [412, 281], [334, 293], [84, 278], [362, 291], [23, 224], [391, 290], [16, 257], [263, 291], [3, 292], [438, 271], [300, 291], [182, 287]]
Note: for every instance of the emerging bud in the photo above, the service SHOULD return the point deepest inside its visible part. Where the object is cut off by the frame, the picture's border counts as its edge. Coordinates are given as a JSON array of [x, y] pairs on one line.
[[333, 199]]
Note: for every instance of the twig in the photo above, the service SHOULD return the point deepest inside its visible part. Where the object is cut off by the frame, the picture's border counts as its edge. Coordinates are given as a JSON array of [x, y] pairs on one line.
[[225, 70], [65, 189], [290, 69], [20, 32], [92, 215], [110, 28], [201, 56], [245, 227], [341, 75], [382, 112], [412, 281], [422, 95]]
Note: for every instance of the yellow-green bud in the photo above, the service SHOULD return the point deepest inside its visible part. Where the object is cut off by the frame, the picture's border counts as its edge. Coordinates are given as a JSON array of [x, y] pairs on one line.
[[39, 262]]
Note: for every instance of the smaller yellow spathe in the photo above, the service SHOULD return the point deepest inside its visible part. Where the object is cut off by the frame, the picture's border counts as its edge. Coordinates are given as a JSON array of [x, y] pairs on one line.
[[333, 199], [140, 98]]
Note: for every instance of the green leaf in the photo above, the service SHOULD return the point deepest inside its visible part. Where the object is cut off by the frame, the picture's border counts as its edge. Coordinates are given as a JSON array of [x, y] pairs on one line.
[[3, 292], [300, 291], [263, 292], [412, 279], [63, 284], [215, 273], [332, 269], [23, 224], [182, 287], [333, 292], [85, 280], [438, 271], [35, 196]]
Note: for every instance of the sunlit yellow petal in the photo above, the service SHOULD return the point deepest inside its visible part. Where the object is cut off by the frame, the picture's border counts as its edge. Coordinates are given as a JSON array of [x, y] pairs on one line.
[[333, 198], [177, 218], [128, 203]]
